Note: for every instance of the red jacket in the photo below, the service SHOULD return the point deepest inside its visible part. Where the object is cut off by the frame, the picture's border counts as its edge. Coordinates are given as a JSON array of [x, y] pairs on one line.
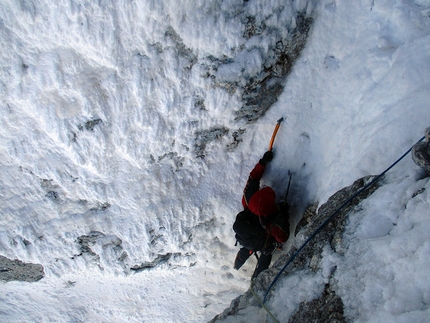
[[262, 202]]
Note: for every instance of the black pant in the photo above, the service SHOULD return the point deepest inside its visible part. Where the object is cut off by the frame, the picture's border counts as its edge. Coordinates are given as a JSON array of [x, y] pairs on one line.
[[263, 261], [263, 264]]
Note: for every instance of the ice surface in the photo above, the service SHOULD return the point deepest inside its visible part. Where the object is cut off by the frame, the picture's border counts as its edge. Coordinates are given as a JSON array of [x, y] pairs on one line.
[[101, 104]]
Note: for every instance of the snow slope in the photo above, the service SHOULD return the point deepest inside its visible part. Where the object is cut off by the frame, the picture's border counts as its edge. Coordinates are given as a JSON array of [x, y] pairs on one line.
[[101, 107]]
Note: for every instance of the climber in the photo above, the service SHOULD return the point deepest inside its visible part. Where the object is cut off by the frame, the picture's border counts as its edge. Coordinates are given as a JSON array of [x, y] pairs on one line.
[[261, 226]]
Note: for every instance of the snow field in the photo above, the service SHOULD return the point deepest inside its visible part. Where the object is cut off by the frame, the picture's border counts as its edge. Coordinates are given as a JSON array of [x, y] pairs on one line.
[[354, 102]]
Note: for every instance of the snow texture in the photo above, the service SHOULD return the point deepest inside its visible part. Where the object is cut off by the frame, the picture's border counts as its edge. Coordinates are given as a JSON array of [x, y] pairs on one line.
[[123, 159]]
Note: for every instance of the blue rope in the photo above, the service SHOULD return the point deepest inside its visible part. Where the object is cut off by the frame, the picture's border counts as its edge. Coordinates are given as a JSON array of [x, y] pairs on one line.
[[332, 216]]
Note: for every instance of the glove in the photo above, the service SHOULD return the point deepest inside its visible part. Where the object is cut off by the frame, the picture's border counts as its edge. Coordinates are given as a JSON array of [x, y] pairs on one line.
[[268, 156]]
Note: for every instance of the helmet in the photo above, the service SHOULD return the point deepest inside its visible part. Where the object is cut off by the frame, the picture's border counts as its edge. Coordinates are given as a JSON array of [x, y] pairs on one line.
[[262, 203]]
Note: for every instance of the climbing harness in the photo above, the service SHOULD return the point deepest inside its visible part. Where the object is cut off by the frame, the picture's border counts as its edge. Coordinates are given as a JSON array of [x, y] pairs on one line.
[[332, 216]]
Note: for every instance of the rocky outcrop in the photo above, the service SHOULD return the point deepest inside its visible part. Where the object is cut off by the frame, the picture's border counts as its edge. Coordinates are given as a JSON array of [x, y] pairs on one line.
[[260, 86], [204, 137], [17, 270], [328, 307], [151, 264], [263, 89], [421, 152], [110, 245]]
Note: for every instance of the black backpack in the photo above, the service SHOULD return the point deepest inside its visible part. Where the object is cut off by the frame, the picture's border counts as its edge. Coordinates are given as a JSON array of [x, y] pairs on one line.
[[249, 232]]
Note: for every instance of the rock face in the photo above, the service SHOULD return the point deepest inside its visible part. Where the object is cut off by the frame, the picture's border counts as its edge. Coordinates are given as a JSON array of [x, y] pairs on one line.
[[328, 307], [263, 89], [17, 270], [421, 152], [260, 86]]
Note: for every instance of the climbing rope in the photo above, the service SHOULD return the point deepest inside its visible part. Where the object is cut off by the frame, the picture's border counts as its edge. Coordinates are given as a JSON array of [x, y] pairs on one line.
[[332, 216], [252, 284], [261, 302]]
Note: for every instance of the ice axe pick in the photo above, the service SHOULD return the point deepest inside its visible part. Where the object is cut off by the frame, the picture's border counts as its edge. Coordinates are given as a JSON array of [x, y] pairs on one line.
[[275, 131]]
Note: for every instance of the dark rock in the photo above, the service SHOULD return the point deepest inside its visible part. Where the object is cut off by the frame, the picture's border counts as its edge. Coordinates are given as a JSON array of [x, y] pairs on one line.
[[244, 301], [180, 46], [53, 191], [26, 242], [328, 308], [123, 256], [310, 213], [206, 136], [89, 125], [86, 241], [70, 284], [421, 152], [48, 184], [264, 89], [231, 87], [252, 27], [53, 196], [237, 139], [420, 191], [112, 242], [258, 98], [17, 270], [151, 264], [199, 103], [101, 206], [175, 158]]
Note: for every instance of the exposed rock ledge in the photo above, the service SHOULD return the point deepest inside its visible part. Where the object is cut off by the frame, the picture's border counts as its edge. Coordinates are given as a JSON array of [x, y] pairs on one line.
[[18, 270], [329, 306]]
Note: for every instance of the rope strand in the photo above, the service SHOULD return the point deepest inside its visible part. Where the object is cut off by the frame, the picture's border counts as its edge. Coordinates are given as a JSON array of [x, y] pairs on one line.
[[261, 303]]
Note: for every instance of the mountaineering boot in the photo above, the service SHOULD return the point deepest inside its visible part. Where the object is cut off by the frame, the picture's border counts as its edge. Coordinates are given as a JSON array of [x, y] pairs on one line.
[[265, 258], [263, 264], [241, 257]]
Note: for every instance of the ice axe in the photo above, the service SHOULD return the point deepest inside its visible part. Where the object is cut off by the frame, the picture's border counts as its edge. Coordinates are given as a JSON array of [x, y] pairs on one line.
[[288, 187], [278, 124]]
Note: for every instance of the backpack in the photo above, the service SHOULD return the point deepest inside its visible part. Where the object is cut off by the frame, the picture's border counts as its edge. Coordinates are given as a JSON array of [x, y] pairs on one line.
[[249, 232]]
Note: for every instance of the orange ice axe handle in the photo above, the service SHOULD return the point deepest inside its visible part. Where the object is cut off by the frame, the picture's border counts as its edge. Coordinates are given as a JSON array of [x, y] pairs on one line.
[[278, 124]]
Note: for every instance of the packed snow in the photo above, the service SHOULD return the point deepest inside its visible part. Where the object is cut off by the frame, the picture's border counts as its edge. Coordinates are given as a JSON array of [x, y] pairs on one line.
[[103, 105]]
